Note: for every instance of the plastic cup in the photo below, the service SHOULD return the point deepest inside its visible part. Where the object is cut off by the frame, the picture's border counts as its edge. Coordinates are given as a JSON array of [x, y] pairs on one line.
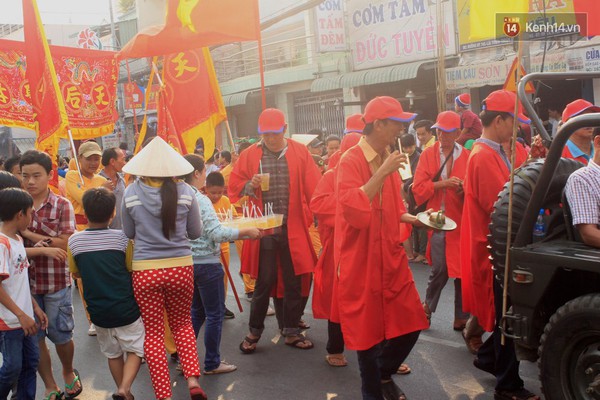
[[264, 181]]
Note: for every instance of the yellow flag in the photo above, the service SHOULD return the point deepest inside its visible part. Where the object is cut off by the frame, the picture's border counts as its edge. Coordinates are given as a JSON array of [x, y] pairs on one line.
[[482, 16]]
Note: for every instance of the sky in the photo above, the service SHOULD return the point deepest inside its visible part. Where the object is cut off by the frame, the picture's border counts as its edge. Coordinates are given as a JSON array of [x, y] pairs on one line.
[[78, 12]]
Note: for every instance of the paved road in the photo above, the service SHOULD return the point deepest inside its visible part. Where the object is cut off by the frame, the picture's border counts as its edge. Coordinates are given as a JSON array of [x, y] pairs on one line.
[[442, 367]]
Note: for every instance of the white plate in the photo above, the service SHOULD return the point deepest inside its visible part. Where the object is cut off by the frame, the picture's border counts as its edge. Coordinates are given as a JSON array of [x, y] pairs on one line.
[[450, 225]]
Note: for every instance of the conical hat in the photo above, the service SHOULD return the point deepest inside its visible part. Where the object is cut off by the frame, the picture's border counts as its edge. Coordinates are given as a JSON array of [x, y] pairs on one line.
[[304, 139], [158, 160]]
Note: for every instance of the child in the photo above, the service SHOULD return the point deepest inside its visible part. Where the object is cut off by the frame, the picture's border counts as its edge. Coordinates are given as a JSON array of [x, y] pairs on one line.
[[102, 258], [209, 291], [18, 341], [214, 189]]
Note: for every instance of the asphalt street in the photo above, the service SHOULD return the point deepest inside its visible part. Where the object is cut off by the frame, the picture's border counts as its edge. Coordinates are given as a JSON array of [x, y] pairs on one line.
[[441, 366]]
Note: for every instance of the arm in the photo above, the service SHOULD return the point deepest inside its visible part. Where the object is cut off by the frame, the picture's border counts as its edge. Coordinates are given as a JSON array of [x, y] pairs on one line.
[[389, 166], [26, 322], [41, 249], [590, 234], [212, 226], [73, 186], [40, 314], [127, 222], [323, 203], [194, 222], [129, 256], [584, 209], [66, 227], [73, 269]]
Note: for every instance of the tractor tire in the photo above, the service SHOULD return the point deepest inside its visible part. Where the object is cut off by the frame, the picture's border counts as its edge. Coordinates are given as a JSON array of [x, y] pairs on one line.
[[525, 180], [570, 351]]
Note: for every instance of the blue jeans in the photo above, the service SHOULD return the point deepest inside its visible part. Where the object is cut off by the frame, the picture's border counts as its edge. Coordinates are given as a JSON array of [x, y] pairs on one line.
[[208, 305], [20, 358]]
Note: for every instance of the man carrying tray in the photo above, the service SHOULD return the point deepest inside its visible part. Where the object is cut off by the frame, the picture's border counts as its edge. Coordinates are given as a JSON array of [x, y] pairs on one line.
[[287, 256]]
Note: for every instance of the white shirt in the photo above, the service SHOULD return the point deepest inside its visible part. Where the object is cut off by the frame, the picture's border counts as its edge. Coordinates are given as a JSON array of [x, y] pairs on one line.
[[15, 280]]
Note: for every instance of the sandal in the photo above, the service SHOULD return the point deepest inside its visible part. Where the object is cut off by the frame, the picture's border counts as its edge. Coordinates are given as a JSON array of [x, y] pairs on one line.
[[70, 396], [300, 339], [251, 342], [303, 325], [404, 370], [196, 393], [336, 360], [391, 391], [58, 395], [519, 394]]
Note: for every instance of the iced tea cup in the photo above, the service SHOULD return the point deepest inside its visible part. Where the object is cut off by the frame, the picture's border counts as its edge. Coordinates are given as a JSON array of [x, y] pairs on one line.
[[264, 181]]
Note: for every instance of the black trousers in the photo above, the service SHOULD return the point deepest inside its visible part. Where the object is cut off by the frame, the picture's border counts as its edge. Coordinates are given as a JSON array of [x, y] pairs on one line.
[[335, 338], [382, 361], [276, 248], [502, 359]]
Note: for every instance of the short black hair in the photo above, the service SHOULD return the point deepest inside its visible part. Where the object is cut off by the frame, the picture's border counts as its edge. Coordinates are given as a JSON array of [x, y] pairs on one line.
[[424, 123], [124, 146], [332, 138], [36, 157], [487, 117], [215, 179], [407, 140], [316, 131], [226, 155], [8, 180], [10, 163], [198, 164], [12, 201], [110, 154], [99, 204]]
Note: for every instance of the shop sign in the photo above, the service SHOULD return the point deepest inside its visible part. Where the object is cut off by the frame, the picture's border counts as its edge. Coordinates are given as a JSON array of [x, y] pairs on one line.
[[586, 59], [473, 76], [554, 62], [331, 32], [388, 32]]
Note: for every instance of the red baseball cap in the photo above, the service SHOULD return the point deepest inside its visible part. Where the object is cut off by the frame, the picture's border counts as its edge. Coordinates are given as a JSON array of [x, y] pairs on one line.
[[354, 123], [504, 101], [447, 121], [386, 107], [271, 120], [463, 100], [578, 107]]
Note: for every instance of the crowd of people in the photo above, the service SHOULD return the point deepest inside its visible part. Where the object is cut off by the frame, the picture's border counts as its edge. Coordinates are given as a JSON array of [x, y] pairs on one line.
[[143, 240]]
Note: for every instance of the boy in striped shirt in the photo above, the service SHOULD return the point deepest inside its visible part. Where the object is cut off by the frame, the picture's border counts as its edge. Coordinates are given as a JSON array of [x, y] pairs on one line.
[[102, 258]]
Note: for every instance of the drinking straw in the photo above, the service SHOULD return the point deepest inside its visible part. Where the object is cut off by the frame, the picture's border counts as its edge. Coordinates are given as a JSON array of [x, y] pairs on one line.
[[260, 166]]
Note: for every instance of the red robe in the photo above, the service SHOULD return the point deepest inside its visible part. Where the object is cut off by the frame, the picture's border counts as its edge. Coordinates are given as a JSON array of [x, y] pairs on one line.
[[323, 205], [376, 293], [428, 167], [486, 175], [304, 175]]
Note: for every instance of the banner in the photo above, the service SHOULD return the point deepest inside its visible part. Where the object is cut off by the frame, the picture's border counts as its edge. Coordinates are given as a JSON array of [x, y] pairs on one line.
[[330, 29], [87, 80], [385, 33], [194, 24]]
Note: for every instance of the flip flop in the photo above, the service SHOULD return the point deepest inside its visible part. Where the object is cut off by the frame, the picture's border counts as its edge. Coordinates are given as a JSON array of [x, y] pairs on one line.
[[58, 395], [391, 391], [336, 360], [70, 396], [300, 339], [404, 370], [196, 393], [250, 341], [519, 394], [303, 325]]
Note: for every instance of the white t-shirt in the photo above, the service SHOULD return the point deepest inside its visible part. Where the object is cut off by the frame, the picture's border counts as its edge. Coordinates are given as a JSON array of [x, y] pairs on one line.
[[15, 280]]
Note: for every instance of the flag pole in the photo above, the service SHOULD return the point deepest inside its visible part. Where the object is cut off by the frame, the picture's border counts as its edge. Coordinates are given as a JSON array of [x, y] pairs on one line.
[[511, 185], [229, 135], [72, 144], [261, 66], [135, 124]]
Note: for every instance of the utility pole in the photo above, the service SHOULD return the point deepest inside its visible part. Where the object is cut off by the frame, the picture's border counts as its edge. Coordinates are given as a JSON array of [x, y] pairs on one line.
[[120, 97], [441, 58]]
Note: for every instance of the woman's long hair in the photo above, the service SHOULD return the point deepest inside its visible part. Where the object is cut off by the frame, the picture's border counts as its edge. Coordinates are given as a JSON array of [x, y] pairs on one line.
[[168, 195]]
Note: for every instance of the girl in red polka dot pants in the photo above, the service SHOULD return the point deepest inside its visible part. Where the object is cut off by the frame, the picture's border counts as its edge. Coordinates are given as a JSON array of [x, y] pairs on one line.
[[171, 289], [162, 215]]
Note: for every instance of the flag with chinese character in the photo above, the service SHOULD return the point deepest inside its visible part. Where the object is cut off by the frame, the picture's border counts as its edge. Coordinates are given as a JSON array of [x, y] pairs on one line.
[[87, 80], [166, 127], [49, 114], [192, 24], [193, 98], [482, 16]]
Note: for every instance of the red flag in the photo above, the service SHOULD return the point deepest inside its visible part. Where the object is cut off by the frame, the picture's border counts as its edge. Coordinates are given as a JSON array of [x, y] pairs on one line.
[[49, 114], [192, 24], [193, 98], [591, 9], [166, 128]]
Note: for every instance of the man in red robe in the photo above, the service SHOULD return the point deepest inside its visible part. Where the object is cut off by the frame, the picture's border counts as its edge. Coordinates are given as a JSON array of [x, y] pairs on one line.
[[438, 182], [379, 307], [488, 169], [288, 255]]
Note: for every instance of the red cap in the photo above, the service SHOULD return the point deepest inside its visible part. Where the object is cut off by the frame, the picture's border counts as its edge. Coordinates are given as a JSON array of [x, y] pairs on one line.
[[354, 123], [463, 100], [350, 140], [578, 107], [504, 101], [271, 120], [385, 107], [447, 121]]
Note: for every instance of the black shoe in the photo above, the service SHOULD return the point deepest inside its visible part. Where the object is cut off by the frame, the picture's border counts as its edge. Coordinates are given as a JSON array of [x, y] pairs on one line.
[[229, 314]]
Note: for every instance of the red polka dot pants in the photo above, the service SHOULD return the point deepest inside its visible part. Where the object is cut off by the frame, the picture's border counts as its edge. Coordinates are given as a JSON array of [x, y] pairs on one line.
[[169, 289]]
